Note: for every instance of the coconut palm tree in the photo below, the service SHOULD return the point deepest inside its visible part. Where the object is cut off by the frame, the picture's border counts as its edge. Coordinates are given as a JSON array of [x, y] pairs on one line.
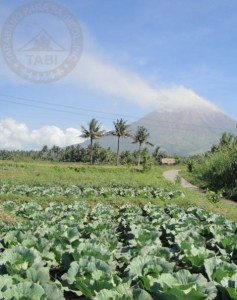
[[93, 132], [141, 137], [121, 130]]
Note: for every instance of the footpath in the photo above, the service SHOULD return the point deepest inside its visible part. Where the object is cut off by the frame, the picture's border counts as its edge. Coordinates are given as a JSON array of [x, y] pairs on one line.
[[171, 175]]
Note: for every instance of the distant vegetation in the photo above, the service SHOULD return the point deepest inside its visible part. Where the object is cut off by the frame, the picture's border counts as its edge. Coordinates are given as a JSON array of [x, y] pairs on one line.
[[94, 153], [77, 153], [217, 169]]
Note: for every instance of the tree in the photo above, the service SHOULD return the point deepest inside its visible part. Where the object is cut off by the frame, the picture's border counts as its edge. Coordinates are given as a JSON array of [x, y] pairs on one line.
[[121, 130], [44, 152], [93, 132], [158, 154], [141, 137], [227, 140]]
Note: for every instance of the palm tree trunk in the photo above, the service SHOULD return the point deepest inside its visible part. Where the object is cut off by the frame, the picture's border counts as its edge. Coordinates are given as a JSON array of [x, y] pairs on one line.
[[117, 160], [139, 155], [91, 151]]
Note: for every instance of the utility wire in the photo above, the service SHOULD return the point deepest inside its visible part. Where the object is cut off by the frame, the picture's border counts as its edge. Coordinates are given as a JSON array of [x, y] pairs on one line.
[[51, 109], [65, 106], [56, 107]]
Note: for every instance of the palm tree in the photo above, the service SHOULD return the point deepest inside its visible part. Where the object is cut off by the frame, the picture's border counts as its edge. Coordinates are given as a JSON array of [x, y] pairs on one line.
[[121, 130], [93, 132], [141, 137]]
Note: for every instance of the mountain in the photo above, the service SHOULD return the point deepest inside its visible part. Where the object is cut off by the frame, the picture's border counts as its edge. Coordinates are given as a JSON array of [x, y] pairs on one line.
[[183, 130], [186, 131]]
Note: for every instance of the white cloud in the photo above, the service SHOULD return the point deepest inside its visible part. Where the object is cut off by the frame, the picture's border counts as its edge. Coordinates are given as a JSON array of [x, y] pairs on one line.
[[97, 74], [179, 97], [15, 135]]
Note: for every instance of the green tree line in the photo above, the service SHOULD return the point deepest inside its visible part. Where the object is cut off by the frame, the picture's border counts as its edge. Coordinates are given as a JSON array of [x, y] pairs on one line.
[[94, 153], [77, 153], [216, 170]]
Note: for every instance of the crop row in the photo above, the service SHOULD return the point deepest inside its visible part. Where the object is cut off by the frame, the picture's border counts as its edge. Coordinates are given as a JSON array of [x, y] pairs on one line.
[[76, 191], [76, 252]]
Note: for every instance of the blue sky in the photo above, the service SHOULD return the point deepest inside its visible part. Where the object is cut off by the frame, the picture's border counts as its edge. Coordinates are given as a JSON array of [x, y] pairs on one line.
[[135, 54]]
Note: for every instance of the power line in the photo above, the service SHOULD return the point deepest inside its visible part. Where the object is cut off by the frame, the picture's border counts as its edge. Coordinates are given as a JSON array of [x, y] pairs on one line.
[[65, 106], [55, 107], [51, 109]]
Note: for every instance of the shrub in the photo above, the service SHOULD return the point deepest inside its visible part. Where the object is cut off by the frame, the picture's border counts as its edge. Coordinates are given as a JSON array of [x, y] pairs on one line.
[[190, 165], [213, 197]]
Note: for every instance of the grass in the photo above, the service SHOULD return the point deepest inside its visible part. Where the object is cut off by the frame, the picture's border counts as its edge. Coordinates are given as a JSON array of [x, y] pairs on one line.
[[226, 208], [189, 176], [47, 174], [78, 174]]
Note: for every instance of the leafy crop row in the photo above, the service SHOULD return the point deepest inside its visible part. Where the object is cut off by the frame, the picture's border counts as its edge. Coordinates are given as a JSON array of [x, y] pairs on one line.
[[76, 252], [76, 191]]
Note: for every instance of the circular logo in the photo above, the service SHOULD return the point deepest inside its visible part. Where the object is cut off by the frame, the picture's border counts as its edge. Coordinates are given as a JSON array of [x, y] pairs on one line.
[[41, 41]]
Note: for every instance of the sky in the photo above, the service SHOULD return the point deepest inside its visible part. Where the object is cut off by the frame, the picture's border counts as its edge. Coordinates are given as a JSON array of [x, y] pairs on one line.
[[135, 56]]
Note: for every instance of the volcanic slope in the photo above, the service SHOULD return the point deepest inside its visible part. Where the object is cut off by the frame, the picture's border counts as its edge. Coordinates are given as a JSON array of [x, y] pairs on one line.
[[183, 128]]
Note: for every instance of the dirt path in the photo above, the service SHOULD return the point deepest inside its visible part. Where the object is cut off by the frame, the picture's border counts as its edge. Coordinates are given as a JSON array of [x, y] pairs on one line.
[[171, 176]]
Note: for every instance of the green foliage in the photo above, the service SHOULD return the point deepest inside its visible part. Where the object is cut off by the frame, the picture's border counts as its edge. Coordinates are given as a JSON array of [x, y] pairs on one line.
[[183, 285], [158, 155], [146, 163], [217, 169], [178, 179], [48, 176], [121, 130], [74, 191], [93, 132], [213, 197], [79, 252], [190, 165], [141, 137], [74, 153]]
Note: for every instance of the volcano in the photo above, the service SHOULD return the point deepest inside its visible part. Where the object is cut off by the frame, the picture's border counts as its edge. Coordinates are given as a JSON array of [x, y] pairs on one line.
[[186, 131], [182, 123]]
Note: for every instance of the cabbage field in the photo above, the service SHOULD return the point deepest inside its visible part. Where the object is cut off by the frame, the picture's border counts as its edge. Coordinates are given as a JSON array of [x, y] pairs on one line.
[[74, 191], [76, 251]]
